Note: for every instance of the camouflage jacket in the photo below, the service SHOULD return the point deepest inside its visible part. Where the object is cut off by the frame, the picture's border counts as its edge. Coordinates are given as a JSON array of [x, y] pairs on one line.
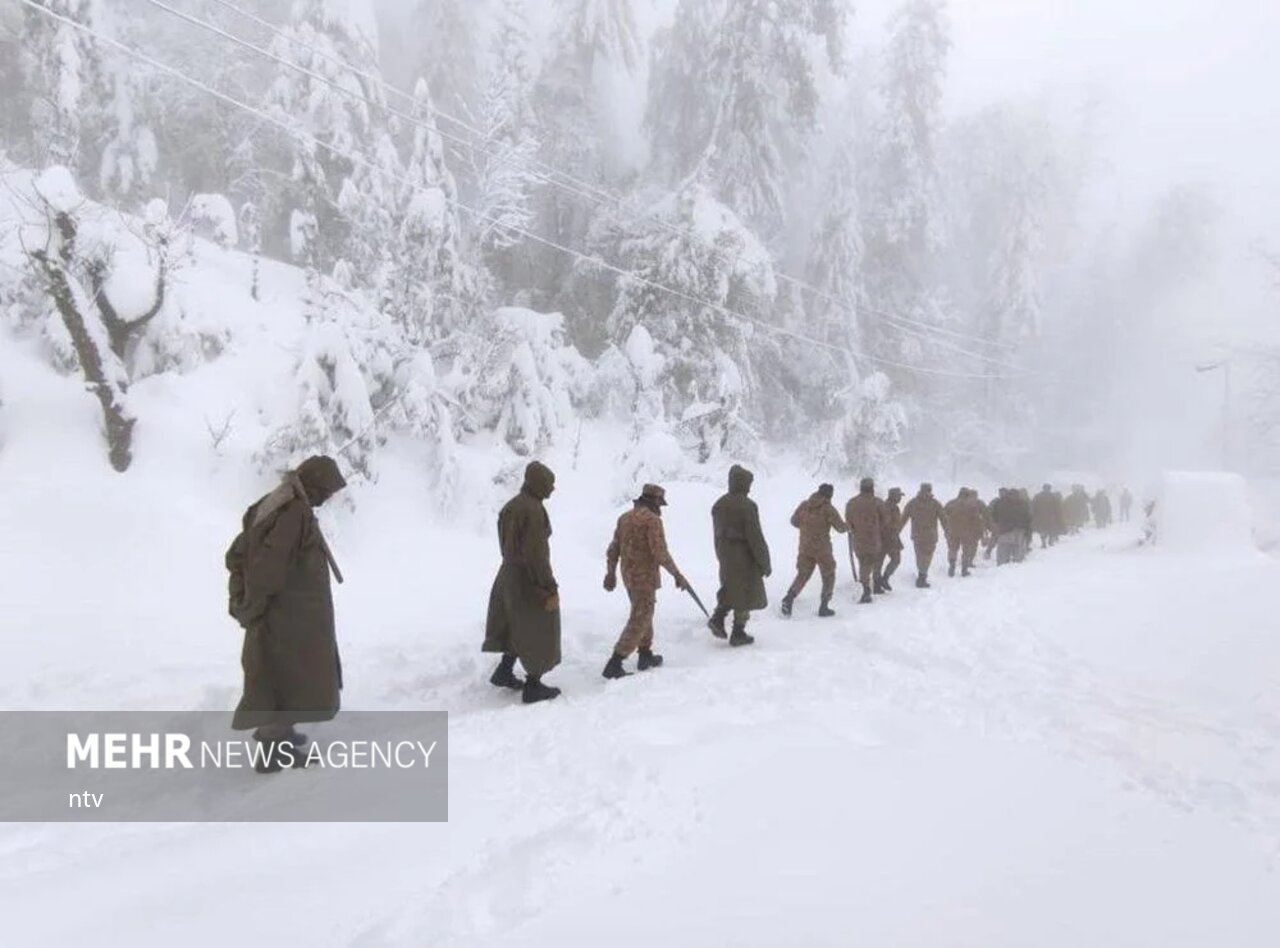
[[640, 542]]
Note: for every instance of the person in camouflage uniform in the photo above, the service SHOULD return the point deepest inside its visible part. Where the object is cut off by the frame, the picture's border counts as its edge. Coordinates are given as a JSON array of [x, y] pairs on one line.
[[640, 544], [867, 514], [524, 604], [815, 518], [891, 540], [744, 558], [926, 517]]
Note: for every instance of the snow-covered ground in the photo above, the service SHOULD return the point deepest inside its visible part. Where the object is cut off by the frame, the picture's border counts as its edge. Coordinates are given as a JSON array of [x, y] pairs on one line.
[[1083, 750]]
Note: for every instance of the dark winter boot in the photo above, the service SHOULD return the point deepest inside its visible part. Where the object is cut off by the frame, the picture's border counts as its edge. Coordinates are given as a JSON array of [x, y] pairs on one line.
[[648, 659], [787, 603], [879, 589], [951, 568], [922, 582], [277, 755], [965, 573], [716, 623], [884, 584], [866, 597], [740, 636], [824, 609], [504, 676], [614, 669], [535, 691]]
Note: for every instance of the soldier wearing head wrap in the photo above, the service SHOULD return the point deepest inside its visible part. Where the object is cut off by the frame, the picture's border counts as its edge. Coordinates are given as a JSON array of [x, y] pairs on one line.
[[744, 558], [280, 568], [524, 604]]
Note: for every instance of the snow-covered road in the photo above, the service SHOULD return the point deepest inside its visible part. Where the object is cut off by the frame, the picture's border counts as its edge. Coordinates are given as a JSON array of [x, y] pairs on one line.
[[1083, 750]]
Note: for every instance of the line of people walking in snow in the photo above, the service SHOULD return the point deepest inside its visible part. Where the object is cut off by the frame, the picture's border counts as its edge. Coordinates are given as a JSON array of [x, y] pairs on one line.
[[524, 618], [280, 570]]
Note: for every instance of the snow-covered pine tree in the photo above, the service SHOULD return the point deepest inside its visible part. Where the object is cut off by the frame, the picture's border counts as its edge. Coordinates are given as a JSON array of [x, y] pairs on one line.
[[733, 96], [434, 290], [350, 202], [129, 155], [527, 382], [694, 245], [904, 227], [60, 65], [450, 57], [595, 39], [870, 427], [506, 182]]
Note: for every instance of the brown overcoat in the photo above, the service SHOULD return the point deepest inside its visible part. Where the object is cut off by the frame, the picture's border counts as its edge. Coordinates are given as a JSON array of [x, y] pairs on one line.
[[740, 545], [1045, 513], [524, 609], [282, 597]]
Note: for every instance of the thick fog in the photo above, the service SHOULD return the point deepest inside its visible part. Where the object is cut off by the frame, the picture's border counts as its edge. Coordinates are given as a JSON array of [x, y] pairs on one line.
[[986, 235]]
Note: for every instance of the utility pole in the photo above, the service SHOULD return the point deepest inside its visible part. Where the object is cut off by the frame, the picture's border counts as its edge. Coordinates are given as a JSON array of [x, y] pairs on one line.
[[1225, 364]]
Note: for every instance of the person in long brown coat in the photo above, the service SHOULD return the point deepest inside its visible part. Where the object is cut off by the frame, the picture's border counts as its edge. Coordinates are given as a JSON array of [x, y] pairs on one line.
[[925, 514], [966, 524], [524, 604], [815, 518], [951, 535], [1046, 513], [890, 540], [1076, 508], [866, 515], [743, 555], [640, 544], [280, 566]]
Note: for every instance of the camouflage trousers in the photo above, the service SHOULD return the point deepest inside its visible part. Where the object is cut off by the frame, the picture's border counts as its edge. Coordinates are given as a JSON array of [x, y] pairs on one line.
[[805, 565], [869, 569], [924, 555], [638, 632], [889, 563]]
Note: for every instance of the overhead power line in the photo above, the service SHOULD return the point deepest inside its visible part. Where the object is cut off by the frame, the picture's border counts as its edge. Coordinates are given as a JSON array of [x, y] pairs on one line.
[[479, 216], [554, 177]]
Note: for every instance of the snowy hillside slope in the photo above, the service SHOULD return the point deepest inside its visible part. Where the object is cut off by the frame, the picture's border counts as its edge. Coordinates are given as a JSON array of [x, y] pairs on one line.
[[1081, 750]]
